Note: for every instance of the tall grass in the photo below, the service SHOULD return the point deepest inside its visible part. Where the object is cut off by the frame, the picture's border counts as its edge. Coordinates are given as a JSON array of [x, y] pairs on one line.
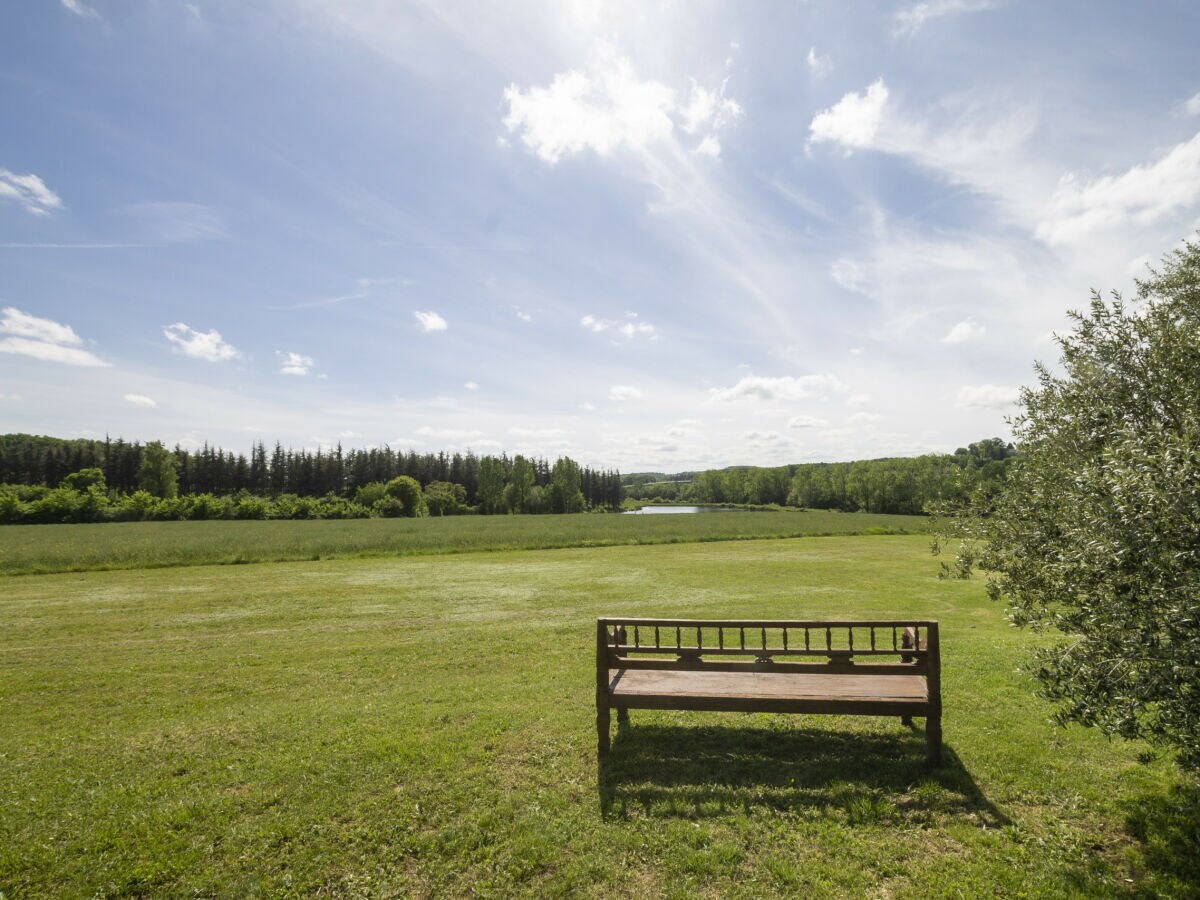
[[132, 545]]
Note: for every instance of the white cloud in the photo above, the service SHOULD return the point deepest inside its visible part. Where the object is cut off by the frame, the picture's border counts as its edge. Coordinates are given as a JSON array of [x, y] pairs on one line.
[[607, 107], [43, 339], [471, 386], [30, 191], [294, 363], [10, 398], [994, 396], [71, 356], [858, 400], [141, 400], [80, 9], [910, 20], [787, 387], [522, 315], [22, 324], [1191, 107], [807, 422], [1143, 194], [818, 66], [620, 392], [428, 320], [964, 331], [630, 328], [206, 345], [709, 109], [538, 432], [854, 120], [710, 146]]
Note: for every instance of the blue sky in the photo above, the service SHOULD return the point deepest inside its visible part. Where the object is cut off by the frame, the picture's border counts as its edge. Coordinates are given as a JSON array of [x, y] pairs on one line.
[[652, 236]]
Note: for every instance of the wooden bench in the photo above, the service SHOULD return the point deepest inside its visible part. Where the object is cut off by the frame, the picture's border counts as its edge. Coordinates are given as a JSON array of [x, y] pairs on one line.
[[884, 668]]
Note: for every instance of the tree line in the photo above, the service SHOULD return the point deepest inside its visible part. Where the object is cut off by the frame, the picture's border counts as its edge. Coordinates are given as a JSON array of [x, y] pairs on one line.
[[46, 479], [902, 485]]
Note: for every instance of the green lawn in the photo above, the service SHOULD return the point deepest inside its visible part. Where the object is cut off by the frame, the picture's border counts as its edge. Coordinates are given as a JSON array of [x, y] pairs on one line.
[[424, 726], [132, 545]]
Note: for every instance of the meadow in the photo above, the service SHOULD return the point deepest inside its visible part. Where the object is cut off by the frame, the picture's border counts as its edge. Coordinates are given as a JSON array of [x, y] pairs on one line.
[[132, 545], [423, 726]]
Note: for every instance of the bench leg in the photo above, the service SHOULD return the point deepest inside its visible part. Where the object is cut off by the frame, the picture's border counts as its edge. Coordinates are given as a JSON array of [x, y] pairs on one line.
[[622, 716], [602, 720], [933, 740]]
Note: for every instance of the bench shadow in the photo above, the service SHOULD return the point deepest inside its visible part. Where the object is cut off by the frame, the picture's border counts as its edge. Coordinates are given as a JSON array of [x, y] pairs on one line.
[[699, 771]]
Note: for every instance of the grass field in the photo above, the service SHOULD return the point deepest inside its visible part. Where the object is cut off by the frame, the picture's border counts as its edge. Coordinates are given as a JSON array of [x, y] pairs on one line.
[[73, 548], [375, 727]]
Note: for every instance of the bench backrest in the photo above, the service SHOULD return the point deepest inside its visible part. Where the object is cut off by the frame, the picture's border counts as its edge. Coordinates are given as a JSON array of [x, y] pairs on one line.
[[883, 647]]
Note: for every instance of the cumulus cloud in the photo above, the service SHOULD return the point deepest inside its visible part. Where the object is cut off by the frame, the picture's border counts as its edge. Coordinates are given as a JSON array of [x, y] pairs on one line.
[[44, 339], [864, 418], [428, 320], [621, 392], [910, 20], [994, 396], [522, 315], [854, 120], [471, 386], [1191, 106], [787, 387], [964, 331], [818, 66], [30, 191], [206, 345], [291, 363], [1143, 194], [807, 422], [141, 400], [628, 328], [607, 107]]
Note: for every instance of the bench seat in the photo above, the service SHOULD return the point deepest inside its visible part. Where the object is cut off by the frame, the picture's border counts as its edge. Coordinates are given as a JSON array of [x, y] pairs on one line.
[[769, 692]]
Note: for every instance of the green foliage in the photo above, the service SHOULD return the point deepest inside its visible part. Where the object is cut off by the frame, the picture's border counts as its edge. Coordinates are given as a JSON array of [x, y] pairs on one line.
[[1097, 532], [520, 485], [157, 474], [85, 479], [491, 485], [406, 492], [565, 493], [444, 498]]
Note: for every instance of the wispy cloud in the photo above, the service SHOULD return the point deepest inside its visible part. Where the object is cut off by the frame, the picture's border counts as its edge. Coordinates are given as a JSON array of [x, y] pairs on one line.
[[471, 386], [993, 396], [818, 66], [141, 400], [964, 331], [630, 327], [623, 392], [911, 19], [43, 339], [80, 9], [807, 422], [292, 363], [206, 345], [29, 191], [428, 320], [786, 387], [1143, 194]]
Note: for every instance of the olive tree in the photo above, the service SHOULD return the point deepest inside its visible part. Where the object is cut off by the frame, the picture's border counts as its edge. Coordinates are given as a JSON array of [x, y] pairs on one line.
[[1096, 533]]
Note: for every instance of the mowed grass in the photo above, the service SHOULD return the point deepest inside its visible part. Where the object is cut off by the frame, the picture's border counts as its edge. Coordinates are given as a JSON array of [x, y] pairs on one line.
[[133, 545], [424, 726]]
